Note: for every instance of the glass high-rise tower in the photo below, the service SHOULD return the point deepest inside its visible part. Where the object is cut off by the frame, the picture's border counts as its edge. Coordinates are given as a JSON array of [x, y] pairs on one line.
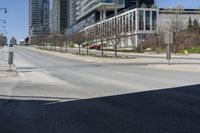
[[86, 7], [59, 16], [39, 17]]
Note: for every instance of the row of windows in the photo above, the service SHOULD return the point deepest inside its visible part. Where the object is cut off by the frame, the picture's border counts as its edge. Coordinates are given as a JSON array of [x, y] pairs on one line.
[[126, 23], [150, 20]]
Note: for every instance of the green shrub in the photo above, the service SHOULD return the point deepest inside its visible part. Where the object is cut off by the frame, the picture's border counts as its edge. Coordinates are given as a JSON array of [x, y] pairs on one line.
[[194, 50], [71, 45]]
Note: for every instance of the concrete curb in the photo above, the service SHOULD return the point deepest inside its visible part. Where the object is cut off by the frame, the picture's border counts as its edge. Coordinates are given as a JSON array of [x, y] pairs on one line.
[[83, 58], [178, 64]]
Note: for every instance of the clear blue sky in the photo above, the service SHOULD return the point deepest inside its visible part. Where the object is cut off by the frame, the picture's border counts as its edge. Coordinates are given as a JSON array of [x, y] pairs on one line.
[[17, 16]]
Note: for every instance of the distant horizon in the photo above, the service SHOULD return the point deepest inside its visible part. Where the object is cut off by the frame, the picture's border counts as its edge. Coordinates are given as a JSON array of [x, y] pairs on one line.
[[18, 14]]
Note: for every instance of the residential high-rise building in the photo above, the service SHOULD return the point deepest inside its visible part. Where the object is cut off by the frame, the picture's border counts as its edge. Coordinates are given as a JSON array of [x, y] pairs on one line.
[[72, 11], [89, 12], [59, 16], [138, 3], [39, 17], [97, 8], [86, 12]]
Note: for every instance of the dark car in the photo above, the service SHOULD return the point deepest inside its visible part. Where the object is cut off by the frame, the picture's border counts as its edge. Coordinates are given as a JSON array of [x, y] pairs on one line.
[[95, 46]]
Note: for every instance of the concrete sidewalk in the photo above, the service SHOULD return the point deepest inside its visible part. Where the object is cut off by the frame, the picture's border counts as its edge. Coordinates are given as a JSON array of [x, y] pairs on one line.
[[128, 55], [4, 66]]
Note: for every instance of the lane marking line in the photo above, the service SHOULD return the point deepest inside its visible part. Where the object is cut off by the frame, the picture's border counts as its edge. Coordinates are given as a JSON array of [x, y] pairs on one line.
[[89, 60], [46, 72], [128, 74], [22, 76]]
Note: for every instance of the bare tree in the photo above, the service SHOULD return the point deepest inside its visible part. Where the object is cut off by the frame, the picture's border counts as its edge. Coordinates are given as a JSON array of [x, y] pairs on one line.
[[53, 41], [68, 39], [102, 36], [1, 40], [90, 37], [61, 41], [176, 24], [39, 40], [98, 33], [115, 34], [78, 38]]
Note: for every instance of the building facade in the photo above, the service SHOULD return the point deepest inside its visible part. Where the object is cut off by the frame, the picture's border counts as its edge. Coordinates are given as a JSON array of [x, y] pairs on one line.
[[138, 3], [72, 12], [87, 7], [130, 28], [135, 25], [3, 40], [89, 12], [168, 18], [59, 16], [39, 17]]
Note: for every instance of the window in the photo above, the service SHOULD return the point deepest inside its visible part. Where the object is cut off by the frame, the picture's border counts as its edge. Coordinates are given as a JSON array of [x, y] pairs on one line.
[[131, 21], [154, 20], [124, 24], [127, 22], [141, 20], [121, 27], [147, 20], [134, 23]]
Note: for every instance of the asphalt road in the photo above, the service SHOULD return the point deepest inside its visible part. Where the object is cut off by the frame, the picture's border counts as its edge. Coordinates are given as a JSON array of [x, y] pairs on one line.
[[60, 95], [175, 110], [42, 73]]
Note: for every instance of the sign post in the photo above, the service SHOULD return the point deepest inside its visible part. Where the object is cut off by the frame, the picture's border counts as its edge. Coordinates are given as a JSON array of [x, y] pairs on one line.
[[168, 39], [10, 59]]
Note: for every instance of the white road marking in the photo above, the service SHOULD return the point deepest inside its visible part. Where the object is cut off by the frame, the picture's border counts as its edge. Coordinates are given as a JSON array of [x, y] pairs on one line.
[[46, 72], [128, 74], [58, 101], [89, 60], [22, 76]]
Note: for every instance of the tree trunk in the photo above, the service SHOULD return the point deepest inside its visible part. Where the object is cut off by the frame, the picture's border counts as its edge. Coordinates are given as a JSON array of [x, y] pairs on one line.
[[46, 45], [115, 50], [157, 47], [102, 51], [43, 46], [102, 54], [66, 48], [87, 50], [79, 49]]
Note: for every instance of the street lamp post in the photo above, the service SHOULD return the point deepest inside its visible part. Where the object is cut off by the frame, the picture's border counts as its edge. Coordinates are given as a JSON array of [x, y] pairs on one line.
[[5, 10], [2, 26], [4, 21]]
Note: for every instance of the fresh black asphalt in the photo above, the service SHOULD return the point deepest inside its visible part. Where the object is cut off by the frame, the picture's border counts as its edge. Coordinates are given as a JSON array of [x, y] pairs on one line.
[[175, 110]]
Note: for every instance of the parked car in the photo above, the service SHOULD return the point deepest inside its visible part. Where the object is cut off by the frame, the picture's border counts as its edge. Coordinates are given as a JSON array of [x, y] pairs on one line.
[[95, 46]]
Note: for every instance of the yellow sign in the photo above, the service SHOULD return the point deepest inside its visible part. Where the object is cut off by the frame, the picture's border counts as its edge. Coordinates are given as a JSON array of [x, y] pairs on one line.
[[186, 53]]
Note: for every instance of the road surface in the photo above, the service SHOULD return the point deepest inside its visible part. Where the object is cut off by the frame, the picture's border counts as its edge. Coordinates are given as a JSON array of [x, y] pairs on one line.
[[59, 95]]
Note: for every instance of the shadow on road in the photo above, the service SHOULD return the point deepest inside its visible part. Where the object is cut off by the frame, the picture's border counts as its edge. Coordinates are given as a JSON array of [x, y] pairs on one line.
[[175, 110]]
